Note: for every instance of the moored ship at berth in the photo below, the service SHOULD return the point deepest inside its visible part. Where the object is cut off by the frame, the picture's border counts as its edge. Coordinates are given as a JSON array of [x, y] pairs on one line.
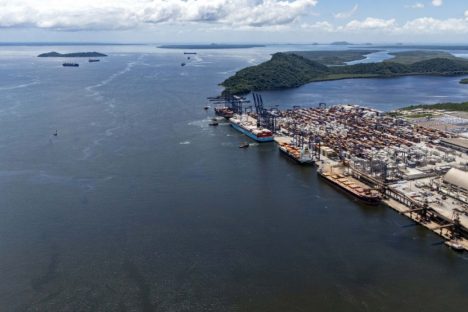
[[302, 155], [248, 126], [354, 188]]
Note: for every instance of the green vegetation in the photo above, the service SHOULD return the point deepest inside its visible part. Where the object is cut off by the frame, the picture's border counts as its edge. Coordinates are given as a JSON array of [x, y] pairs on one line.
[[288, 70], [455, 107], [334, 57], [76, 54], [411, 57], [464, 81]]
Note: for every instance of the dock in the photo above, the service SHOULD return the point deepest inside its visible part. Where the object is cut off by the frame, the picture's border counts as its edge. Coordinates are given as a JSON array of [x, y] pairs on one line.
[[420, 172]]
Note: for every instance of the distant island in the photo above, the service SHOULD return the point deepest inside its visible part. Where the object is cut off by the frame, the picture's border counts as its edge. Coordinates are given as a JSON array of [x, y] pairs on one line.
[[75, 54], [341, 43], [289, 70], [210, 46], [464, 81]]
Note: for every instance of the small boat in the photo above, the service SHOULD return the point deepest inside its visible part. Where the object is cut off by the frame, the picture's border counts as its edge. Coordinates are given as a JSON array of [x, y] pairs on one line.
[[188, 57], [93, 60], [244, 145], [206, 107], [70, 64], [183, 64], [455, 245], [213, 123], [56, 133]]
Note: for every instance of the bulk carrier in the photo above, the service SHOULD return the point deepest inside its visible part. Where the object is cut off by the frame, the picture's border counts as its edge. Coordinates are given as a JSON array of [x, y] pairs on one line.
[[361, 192], [248, 126]]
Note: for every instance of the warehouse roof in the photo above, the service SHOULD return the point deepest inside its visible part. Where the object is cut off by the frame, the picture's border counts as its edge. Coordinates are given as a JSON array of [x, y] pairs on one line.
[[457, 177]]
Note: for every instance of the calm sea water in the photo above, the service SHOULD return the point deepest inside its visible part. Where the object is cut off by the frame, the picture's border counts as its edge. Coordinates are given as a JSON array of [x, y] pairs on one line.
[[139, 205]]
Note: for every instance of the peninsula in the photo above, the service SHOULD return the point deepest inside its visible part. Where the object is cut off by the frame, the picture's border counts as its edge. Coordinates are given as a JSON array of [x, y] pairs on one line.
[[75, 54], [293, 69], [453, 107]]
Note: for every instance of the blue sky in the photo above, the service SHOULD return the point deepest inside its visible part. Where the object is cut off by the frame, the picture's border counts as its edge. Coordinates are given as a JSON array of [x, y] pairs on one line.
[[301, 21]]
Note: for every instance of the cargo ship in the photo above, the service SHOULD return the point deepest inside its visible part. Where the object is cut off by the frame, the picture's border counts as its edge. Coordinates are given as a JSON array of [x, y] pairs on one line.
[[225, 112], [362, 193], [250, 129], [70, 64], [302, 155]]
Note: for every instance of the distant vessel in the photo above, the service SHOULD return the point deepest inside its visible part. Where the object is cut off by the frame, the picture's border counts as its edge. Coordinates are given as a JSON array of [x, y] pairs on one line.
[[213, 123], [93, 60], [70, 64], [250, 129], [190, 52], [301, 155], [363, 193], [244, 145], [183, 64]]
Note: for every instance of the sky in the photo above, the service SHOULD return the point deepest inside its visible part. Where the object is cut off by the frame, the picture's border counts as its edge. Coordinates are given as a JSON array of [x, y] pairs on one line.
[[240, 21]]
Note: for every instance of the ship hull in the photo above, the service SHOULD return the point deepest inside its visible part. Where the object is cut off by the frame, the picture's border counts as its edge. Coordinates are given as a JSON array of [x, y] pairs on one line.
[[362, 198], [305, 162], [251, 135]]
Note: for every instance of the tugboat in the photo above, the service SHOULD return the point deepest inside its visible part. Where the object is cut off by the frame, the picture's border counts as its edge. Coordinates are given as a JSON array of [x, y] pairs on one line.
[[70, 64], [214, 122], [455, 245]]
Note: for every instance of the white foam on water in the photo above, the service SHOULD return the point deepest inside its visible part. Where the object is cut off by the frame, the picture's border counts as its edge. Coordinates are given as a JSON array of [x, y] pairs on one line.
[[23, 85], [184, 143]]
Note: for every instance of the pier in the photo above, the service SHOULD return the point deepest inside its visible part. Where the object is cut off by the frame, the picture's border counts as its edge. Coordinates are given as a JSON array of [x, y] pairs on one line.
[[376, 157]]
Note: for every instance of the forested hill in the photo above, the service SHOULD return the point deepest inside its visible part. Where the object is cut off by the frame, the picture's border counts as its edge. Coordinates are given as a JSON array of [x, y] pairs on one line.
[[288, 70]]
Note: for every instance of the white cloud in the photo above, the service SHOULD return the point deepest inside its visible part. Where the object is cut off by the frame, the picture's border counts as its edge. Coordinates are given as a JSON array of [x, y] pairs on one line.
[[417, 5], [437, 3], [347, 14], [423, 25], [370, 23], [431, 25], [125, 14]]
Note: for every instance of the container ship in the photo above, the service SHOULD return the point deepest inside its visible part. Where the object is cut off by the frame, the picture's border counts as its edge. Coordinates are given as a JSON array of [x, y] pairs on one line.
[[249, 128], [225, 112], [363, 193], [70, 64], [302, 155]]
